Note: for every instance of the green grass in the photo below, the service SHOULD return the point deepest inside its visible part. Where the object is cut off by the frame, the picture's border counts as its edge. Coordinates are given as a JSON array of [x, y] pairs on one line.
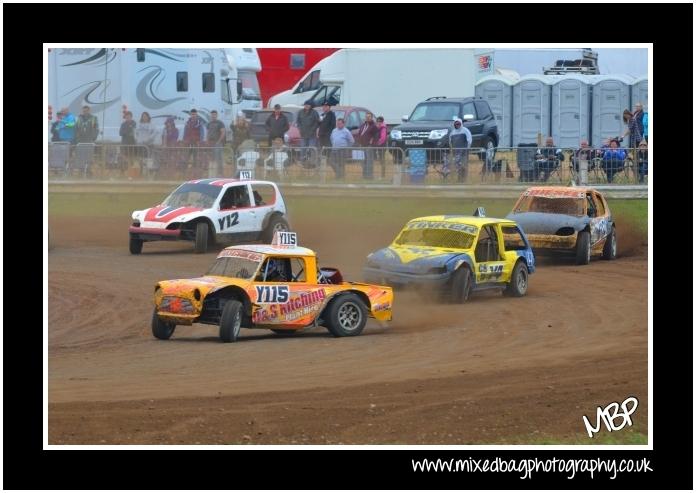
[[623, 437]]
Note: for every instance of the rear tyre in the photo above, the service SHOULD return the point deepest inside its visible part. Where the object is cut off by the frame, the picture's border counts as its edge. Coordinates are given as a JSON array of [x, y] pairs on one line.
[[609, 251], [277, 223], [161, 329], [582, 248], [135, 246], [460, 285], [519, 281], [201, 238], [231, 321], [346, 316]]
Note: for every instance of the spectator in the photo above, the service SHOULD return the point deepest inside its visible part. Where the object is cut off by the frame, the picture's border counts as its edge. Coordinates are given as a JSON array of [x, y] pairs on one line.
[[459, 142], [87, 127], [240, 130], [634, 126], [613, 159], [170, 140], [645, 126], [642, 161], [582, 161], [216, 138], [145, 132], [193, 136], [55, 136], [308, 123], [326, 125], [66, 126], [548, 159], [382, 141], [368, 135], [276, 125], [127, 131], [340, 137]]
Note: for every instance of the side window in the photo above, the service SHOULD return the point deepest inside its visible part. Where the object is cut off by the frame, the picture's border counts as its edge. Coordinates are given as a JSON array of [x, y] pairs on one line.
[[362, 114], [235, 197], [263, 195], [182, 82], [483, 110], [487, 245], [513, 239], [353, 120], [591, 208], [468, 109], [208, 82], [276, 269], [140, 54], [297, 61], [315, 83], [298, 270], [599, 202], [319, 96]]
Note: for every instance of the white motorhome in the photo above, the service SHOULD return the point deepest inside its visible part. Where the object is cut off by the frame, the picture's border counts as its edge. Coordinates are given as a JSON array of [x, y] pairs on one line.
[[389, 82], [163, 82], [248, 65]]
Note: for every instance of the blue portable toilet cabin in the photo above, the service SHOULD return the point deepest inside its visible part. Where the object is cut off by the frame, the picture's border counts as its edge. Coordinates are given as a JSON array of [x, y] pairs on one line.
[[570, 110], [531, 102], [497, 90], [639, 92], [610, 97]]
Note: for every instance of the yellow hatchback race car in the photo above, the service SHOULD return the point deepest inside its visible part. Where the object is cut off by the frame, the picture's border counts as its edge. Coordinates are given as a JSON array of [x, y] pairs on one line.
[[454, 255], [276, 287]]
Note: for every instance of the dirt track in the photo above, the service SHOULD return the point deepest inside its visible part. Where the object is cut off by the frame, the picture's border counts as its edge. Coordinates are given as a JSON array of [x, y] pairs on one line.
[[494, 370]]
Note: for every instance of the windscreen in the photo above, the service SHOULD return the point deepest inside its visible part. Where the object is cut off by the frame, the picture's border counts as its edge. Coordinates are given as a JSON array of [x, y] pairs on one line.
[[552, 205], [193, 195]]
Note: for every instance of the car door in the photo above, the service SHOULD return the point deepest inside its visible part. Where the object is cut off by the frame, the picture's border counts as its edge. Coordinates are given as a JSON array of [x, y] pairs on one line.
[[475, 126], [600, 226], [234, 212], [490, 263]]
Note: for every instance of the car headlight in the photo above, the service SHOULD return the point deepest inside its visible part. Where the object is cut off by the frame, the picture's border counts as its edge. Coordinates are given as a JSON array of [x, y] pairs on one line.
[[438, 134], [135, 215], [395, 134]]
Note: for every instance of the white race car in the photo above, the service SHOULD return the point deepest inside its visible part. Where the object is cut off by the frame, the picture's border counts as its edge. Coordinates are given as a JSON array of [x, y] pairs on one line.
[[212, 210]]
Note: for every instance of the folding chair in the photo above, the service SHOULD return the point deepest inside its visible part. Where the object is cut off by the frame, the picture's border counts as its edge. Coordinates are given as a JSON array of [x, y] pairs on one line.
[[58, 156]]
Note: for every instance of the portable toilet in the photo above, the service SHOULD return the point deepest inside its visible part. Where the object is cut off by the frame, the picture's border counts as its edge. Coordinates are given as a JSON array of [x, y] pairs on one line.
[[610, 97], [531, 114], [639, 92], [570, 110], [497, 90]]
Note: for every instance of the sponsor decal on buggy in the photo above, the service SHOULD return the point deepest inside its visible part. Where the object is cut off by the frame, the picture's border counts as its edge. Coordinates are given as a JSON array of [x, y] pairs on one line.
[[253, 256], [555, 193], [490, 272], [381, 307], [230, 219], [601, 228], [441, 225], [272, 294], [296, 306]]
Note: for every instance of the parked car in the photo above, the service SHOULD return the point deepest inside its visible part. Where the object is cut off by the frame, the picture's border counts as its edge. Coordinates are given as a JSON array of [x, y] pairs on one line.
[[429, 125], [278, 287], [573, 220], [454, 255], [212, 210]]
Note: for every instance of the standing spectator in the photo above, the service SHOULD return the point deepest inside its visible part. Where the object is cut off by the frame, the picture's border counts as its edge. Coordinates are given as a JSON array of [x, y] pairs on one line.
[[340, 137], [368, 135], [548, 158], [276, 125], [216, 138], [193, 136], [308, 123], [145, 135], [240, 130], [613, 159], [635, 126], [459, 142], [642, 161], [66, 126], [55, 135], [170, 140], [382, 141], [645, 126], [87, 127], [127, 133], [326, 125]]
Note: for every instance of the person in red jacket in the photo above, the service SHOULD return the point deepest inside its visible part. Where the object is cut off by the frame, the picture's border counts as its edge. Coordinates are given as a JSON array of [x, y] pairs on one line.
[[368, 136]]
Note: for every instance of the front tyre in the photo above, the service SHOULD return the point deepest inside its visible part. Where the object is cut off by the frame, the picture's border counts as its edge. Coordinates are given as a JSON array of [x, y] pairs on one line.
[[610, 248], [161, 329], [347, 315], [135, 246], [201, 237], [231, 321], [582, 248], [519, 281], [460, 285], [277, 223]]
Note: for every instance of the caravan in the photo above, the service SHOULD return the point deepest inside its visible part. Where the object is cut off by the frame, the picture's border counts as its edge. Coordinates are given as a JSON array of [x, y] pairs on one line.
[[163, 82]]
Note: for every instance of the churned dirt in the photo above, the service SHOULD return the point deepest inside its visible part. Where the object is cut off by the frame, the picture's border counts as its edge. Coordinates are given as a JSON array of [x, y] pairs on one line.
[[494, 370]]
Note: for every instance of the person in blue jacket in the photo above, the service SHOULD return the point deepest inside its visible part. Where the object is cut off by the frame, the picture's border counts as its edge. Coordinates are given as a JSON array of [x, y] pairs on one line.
[[66, 126], [613, 159]]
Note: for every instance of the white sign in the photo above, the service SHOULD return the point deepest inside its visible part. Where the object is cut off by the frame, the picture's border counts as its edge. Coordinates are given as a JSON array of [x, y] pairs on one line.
[[284, 238], [246, 174]]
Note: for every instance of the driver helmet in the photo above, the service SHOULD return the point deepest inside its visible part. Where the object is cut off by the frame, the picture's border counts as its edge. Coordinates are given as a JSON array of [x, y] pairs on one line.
[[275, 269]]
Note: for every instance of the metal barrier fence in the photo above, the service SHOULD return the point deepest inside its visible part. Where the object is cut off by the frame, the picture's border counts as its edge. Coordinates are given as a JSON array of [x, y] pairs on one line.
[[375, 165]]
